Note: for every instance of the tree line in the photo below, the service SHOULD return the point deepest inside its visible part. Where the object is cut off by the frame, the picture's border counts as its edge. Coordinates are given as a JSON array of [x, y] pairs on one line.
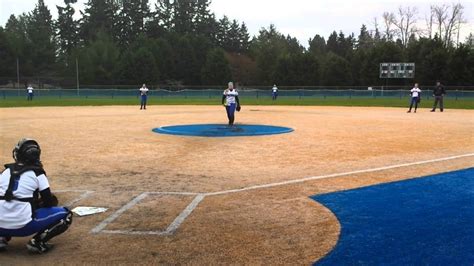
[[182, 42]]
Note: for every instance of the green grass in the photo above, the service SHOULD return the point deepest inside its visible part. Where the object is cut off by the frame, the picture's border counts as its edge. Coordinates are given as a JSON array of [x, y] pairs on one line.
[[329, 101]]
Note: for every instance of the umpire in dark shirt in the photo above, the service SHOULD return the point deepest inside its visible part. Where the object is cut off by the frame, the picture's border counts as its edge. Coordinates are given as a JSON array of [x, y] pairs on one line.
[[438, 94]]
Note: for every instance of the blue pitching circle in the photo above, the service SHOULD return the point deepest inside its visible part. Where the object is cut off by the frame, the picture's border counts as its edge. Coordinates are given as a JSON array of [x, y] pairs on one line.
[[219, 130]]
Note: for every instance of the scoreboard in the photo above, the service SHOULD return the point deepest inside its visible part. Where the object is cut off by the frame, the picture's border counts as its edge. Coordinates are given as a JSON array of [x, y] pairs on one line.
[[397, 70]]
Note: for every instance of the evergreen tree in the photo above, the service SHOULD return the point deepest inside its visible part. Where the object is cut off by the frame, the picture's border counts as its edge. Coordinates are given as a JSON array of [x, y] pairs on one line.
[[233, 38], [382, 52], [377, 35], [341, 45], [16, 33], [183, 16], [317, 46], [268, 47], [204, 21], [182, 33], [470, 40], [131, 20], [336, 71], [244, 38], [430, 59], [365, 40], [7, 56], [216, 70], [243, 68], [361, 63], [100, 15], [460, 69], [41, 34], [161, 19], [66, 30], [209, 29], [298, 70], [138, 66], [345, 45], [98, 61], [200, 48], [222, 34], [186, 62], [15, 29], [164, 56], [332, 43], [293, 46]]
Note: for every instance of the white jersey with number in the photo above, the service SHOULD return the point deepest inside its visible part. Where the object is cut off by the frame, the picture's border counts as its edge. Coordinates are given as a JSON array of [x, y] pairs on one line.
[[275, 89], [415, 92], [30, 89], [230, 96], [143, 91], [15, 214]]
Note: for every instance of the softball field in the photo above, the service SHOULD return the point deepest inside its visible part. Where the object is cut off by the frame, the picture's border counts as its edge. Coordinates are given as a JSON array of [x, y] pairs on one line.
[[239, 200]]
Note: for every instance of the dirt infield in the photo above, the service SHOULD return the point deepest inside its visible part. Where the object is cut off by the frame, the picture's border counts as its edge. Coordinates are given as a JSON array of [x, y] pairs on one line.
[[113, 152]]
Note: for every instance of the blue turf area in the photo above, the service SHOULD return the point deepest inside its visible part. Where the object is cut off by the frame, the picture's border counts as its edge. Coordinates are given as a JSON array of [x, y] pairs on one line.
[[217, 130], [421, 221]]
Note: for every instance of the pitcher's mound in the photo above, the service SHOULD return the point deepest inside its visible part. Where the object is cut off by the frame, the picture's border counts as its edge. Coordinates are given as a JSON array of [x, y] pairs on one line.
[[220, 130]]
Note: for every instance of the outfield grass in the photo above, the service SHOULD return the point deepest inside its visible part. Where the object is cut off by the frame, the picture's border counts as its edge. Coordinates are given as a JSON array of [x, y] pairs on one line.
[[329, 101]]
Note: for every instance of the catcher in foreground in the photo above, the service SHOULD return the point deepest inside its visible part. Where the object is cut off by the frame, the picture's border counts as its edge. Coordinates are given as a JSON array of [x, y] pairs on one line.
[[27, 205]]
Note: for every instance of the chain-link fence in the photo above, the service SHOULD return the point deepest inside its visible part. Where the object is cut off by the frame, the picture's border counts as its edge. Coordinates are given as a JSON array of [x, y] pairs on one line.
[[247, 92]]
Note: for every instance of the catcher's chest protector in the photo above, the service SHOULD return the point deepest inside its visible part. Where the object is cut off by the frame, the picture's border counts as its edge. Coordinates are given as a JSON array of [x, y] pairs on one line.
[[16, 171]]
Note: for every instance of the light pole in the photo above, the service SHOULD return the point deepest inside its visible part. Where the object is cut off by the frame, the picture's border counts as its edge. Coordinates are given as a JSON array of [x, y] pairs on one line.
[[18, 75], [77, 76]]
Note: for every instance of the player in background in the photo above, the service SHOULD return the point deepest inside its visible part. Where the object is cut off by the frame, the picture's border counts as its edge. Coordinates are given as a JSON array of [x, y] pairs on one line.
[[274, 92], [415, 97], [143, 96], [29, 90], [438, 94], [27, 205], [230, 99]]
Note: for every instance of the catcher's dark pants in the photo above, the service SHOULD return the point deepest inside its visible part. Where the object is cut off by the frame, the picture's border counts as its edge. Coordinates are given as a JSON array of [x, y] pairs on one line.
[[414, 100], [438, 99], [230, 113], [44, 219]]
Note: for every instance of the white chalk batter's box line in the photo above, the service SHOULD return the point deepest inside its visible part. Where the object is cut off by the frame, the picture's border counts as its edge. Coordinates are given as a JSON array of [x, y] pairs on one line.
[[171, 229]]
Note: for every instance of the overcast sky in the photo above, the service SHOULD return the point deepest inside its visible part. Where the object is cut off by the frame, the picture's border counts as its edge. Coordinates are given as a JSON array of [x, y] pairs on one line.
[[299, 18]]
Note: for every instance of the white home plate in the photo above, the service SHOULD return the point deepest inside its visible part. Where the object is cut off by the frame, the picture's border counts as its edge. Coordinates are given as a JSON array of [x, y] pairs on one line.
[[83, 211]]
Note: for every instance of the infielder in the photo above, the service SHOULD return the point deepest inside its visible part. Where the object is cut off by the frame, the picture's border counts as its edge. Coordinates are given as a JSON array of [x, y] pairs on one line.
[[30, 93], [143, 96], [230, 99], [274, 92], [415, 97], [27, 205]]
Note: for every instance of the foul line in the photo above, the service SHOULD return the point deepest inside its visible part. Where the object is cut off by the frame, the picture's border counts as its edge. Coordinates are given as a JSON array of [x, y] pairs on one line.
[[171, 229], [85, 194], [336, 175]]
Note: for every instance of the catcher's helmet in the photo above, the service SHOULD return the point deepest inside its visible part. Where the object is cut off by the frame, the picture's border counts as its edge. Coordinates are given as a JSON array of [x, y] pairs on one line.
[[27, 151]]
